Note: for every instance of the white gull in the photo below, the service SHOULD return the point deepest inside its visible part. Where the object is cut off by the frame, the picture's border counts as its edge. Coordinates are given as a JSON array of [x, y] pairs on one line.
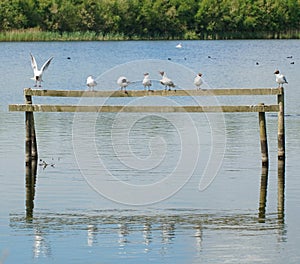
[[146, 81], [90, 82], [167, 82], [38, 73], [198, 80], [280, 78]]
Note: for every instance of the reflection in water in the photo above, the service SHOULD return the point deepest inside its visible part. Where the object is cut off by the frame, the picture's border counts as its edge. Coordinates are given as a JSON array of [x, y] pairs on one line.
[[122, 232], [147, 230], [263, 193], [281, 186], [147, 235], [198, 238], [158, 232], [31, 171], [167, 236], [41, 247], [91, 234]]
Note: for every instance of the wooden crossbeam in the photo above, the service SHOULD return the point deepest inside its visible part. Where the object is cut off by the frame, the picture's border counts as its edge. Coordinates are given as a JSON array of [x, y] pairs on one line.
[[141, 93], [130, 108]]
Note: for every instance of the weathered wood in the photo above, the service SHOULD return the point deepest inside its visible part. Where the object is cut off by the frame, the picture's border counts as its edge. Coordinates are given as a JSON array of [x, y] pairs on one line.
[[33, 152], [281, 129], [28, 142], [140, 93], [263, 138], [154, 109], [28, 135]]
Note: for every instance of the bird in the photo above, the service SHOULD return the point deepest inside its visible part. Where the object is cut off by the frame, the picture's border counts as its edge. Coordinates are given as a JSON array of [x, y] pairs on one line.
[[146, 81], [167, 82], [280, 78], [38, 73], [90, 82], [123, 82], [179, 46], [198, 80]]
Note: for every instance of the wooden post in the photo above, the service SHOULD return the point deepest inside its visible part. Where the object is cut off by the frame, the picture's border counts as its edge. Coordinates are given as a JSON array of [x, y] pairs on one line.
[[281, 155], [28, 141], [263, 194], [30, 138], [281, 132], [263, 138], [34, 150]]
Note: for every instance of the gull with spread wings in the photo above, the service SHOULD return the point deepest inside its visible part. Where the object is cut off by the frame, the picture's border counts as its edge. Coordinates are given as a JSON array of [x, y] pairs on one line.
[[38, 73]]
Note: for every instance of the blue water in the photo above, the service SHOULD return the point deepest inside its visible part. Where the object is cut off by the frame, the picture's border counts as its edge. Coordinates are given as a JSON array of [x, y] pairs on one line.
[[80, 217]]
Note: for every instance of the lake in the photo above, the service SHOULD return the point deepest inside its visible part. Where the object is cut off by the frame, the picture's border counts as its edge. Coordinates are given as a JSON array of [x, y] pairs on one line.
[[127, 187]]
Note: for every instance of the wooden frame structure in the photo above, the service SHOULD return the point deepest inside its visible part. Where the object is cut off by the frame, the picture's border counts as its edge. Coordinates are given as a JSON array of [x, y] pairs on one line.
[[31, 151], [29, 108]]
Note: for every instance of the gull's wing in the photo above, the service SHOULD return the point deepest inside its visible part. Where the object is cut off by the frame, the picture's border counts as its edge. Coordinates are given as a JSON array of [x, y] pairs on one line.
[[284, 79], [46, 64], [33, 63]]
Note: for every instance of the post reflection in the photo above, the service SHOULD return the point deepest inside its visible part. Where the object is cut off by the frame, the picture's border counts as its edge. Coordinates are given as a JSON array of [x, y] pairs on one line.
[[263, 194], [281, 187], [31, 171]]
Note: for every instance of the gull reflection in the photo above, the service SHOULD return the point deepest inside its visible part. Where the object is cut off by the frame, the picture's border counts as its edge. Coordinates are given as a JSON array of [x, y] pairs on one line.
[[91, 235], [198, 238], [147, 235], [41, 247], [167, 235], [122, 232]]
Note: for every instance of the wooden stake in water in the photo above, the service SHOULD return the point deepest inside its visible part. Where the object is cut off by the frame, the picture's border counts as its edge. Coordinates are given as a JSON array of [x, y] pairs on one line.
[[281, 129], [263, 138], [30, 137]]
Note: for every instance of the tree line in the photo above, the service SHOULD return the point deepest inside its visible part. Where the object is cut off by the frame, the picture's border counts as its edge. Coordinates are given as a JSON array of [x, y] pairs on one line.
[[151, 19]]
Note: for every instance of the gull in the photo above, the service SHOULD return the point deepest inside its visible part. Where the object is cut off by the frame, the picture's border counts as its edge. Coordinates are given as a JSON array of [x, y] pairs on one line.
[[146, 81], [123, 82], [280, 78], [38, 73], [90, 82], [179, 46], [166, 81], [198, 80]]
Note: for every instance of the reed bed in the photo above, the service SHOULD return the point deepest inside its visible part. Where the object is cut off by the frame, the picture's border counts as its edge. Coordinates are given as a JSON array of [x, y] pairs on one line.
[[39, 35]]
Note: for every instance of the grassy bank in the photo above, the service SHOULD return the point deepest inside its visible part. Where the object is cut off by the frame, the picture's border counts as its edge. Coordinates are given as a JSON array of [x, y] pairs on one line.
[[38, 35]]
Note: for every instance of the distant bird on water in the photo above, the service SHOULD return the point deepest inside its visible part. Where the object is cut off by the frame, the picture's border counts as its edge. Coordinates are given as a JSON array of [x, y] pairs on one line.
[[38, 73], [179, 46], [146, 81], [123, 82], [198, 80], [167, 82], [280, 78], [90, 82]]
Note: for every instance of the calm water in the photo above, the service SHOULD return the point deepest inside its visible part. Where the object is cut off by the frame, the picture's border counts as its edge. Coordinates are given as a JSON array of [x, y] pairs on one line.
[[158, 215]]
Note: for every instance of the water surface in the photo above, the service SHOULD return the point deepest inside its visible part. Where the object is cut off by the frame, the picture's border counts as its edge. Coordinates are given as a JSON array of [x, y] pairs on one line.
[[73, 223]]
